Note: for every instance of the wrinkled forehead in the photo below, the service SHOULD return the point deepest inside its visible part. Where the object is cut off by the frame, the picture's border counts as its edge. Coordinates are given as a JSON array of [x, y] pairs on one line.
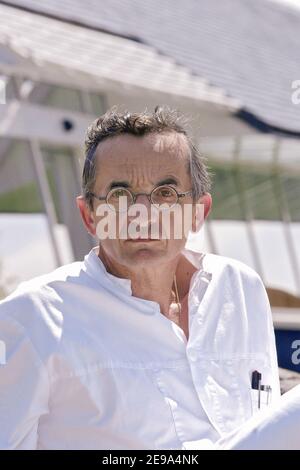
[[152, 152]]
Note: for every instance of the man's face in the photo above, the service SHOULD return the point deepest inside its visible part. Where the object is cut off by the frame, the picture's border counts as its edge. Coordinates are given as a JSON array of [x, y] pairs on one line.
[[140, 164]]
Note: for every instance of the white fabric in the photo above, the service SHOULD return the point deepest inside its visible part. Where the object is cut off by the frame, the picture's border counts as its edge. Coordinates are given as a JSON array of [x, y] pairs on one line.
[[276, 428], [89, 366]]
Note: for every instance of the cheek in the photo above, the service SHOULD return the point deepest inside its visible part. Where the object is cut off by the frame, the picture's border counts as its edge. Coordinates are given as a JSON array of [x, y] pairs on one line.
[[106, 224], [113, 226], [178, 222], [171, 226]]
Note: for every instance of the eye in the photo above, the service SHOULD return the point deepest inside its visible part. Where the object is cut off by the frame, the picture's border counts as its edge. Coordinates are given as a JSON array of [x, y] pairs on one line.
[[117, 193], [165, 192]]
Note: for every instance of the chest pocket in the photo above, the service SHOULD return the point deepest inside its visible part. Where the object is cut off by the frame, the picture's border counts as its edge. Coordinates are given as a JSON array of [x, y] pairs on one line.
[[189, 419], [224, 388]]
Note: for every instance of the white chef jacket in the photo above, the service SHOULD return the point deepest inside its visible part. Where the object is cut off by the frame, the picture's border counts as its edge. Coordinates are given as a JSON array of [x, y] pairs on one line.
[[276, 428], [90, 366]]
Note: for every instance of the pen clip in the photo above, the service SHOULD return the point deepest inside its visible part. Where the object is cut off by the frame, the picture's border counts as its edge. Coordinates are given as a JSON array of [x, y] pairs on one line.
[[257, 385]]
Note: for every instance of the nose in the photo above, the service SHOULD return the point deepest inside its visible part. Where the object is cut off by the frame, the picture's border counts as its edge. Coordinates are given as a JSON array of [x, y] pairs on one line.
[[147, 224], [144, 199]]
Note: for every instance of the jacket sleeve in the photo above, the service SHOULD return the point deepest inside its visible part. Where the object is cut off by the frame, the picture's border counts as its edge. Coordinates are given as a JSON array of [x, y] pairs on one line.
[[276, 428], [24, 385], [265, 329]]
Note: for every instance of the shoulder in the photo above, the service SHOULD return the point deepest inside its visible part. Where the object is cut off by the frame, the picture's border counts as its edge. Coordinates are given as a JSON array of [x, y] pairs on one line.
[[240, 288], [218, 263], [32, 311], [68, 272], [41, 289], [239, 323]]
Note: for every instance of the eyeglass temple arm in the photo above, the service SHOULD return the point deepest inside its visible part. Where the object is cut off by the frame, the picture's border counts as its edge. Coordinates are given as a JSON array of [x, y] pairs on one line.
[[100, 198], [184, 194]]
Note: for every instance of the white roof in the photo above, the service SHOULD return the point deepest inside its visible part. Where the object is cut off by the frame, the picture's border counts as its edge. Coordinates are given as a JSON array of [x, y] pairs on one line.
[[54, 47]]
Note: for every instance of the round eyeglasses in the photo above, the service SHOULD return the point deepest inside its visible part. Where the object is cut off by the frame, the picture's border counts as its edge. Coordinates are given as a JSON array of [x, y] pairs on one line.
[[162, 197]]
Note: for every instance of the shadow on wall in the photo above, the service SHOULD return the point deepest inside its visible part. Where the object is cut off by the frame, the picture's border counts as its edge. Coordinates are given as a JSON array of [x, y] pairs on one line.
[[288, 379], [280, 298]]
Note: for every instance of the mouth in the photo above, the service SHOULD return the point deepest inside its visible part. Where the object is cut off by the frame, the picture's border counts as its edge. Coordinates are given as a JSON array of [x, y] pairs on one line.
[[143, 240]]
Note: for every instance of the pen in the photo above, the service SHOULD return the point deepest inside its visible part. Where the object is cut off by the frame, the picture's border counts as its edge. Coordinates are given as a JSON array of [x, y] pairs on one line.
[[256, 383], [268, 389], [259, 389]]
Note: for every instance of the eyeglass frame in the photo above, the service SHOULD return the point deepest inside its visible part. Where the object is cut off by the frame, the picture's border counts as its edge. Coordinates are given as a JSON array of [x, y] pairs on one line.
[[135, 195]]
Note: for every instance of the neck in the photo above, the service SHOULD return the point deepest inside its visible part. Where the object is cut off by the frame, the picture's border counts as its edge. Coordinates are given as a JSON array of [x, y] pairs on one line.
[[149, 283]]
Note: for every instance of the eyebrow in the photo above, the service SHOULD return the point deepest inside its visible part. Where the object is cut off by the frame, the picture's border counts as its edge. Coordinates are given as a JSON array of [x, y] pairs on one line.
[[169, 180], [115, 184], [125, 184]]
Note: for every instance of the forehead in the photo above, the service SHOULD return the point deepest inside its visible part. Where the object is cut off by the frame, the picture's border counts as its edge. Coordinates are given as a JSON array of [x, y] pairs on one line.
[[152, 153]]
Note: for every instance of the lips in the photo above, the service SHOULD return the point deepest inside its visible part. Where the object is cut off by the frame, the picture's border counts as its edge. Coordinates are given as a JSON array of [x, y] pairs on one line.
[[143, 240]]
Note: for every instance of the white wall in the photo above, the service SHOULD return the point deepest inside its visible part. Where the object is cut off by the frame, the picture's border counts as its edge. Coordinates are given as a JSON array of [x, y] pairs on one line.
[[26, 250]]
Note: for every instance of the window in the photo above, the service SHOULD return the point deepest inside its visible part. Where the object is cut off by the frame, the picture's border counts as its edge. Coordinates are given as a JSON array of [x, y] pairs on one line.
[[225, 193], [260, 193], [291, 188], [98, 105], [19, 191], [56, 97]]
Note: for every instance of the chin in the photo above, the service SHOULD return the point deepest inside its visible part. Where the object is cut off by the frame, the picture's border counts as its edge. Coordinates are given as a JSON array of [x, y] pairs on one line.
[[145, 254]]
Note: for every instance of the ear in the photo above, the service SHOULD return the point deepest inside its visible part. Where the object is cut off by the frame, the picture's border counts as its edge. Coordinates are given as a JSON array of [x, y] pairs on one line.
[[87, 215], [201, 210]]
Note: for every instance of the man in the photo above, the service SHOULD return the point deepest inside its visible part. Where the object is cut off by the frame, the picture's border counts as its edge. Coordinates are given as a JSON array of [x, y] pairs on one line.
[[148, 343]]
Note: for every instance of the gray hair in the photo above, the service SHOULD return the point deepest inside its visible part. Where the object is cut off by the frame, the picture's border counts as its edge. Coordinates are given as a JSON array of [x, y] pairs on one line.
[[163, 119]]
